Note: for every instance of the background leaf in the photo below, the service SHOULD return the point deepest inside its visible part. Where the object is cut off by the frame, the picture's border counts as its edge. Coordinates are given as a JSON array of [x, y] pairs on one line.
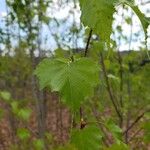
[[23, 133], [5, 96], [120, 146], [98, 15], [88, 138], [145, 21]]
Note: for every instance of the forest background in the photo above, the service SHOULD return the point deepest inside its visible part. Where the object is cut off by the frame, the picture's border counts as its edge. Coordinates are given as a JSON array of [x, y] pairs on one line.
[[40, 109]]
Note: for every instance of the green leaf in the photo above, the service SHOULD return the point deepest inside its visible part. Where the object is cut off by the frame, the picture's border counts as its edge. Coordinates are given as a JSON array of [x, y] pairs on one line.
[[96, 49], [15, 107], [5, 96], [120, 146], [1, 113], [38, 144], [98, 15], [21, 113], [66, 147], [88, 138], [116, 131], [23, 134], [145, 21], [103, 11], [45, 19], [111, 76], [24, 113], [147, 132], [74, 80], [107, 63], [60, 53]]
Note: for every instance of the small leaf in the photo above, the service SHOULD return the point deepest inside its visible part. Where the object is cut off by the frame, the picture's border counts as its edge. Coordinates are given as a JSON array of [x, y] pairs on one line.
[[97, 48], [48, 137], [111, 76], [145, 21], [88, 138], [107, 63], [98, 15], [23, 134], [1, 113], [61, 53], [146, 127], [120, 146], [24, 113], [5, 96], [14, 106], [66, 147], [38, 144], [115, 130]]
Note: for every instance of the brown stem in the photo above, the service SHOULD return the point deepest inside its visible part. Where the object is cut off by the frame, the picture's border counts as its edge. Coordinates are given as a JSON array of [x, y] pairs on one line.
[[135, 122], [121, 77], [121, 85], [109, 88], [81, 113], [129, 99], [127, 126], [88, 43], [134, 135], [85, 54], [106, 141]]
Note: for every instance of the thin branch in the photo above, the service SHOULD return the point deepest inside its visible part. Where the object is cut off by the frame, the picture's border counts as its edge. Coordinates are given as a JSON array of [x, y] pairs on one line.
[[135, 134], [107, 141], [121, 78], [135, 122], [85, 54], [109, 88], [88, 43], [121, 72], [81, 113], [121, 86]]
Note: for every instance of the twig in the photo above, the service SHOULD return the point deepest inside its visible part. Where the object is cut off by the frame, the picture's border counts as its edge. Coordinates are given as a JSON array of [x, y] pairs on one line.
[[88, 43], [107, 141], [109, 89], [121, 78], [133, 136], [135, 122], [121, 85], [85, 54]]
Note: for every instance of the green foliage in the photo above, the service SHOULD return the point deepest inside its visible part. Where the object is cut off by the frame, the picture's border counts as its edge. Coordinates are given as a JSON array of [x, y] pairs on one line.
[[86, 139], [103, 11], [145, 21], [147, 132], [120, 146], [19, 112], [115, 130], [5, 96], [96, 49], [123, 79], [38, 144], [100, 16], [24, 113], [66, 147], [1, 113], [60, 53], [74, 80], [23, 133]]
